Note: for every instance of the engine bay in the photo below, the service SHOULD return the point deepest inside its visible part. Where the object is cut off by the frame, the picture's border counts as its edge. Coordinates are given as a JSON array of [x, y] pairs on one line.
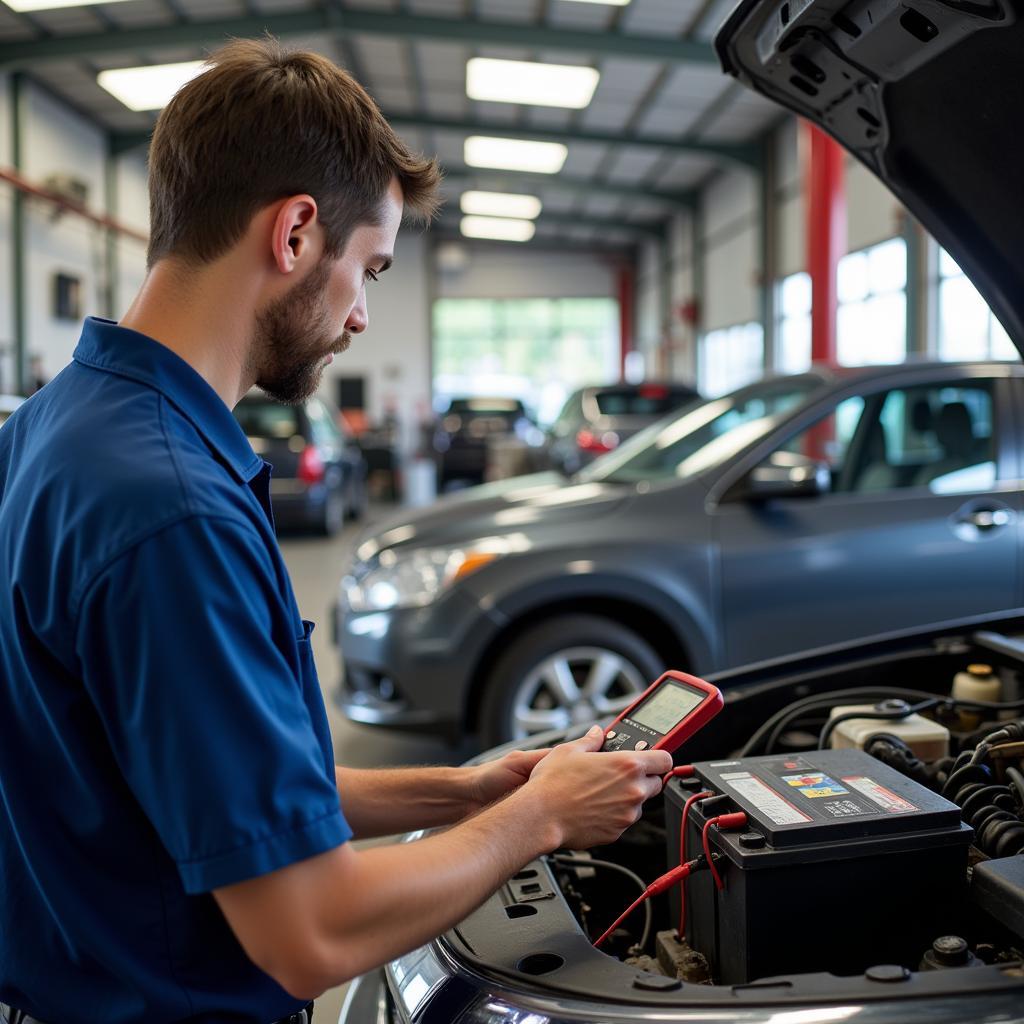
[[852, 829]]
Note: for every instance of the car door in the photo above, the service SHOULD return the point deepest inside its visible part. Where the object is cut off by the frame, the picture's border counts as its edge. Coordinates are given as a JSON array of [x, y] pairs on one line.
[[921, 523]]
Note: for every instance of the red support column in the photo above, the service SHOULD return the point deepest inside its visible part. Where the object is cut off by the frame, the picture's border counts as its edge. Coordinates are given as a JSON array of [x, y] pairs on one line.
[[626, 289], [825, 209]]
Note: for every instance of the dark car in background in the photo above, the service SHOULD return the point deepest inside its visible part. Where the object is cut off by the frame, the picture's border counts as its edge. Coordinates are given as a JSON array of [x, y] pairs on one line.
[[470, 432], [319, 475], [795, 512], [595, 420]]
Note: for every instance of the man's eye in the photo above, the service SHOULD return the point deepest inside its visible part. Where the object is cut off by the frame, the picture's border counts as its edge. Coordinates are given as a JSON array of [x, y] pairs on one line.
[[372, 275]]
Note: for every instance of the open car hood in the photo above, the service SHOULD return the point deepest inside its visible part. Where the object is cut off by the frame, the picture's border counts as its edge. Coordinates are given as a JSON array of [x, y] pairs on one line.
[[928, 94]]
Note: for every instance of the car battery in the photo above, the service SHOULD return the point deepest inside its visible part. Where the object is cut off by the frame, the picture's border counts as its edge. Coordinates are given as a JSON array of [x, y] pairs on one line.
[[843, 864]]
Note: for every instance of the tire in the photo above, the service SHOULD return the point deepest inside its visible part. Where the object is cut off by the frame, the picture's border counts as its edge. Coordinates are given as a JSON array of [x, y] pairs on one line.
[[532, 685], [332, 518], [357, 500]]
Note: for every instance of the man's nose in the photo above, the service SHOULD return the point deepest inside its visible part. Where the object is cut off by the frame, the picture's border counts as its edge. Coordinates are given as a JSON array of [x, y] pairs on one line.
[[357, 317]]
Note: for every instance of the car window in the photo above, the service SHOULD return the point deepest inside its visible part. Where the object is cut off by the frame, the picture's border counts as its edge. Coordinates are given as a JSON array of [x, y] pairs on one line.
[[267, 419], [704, 435], [936, 436], [644, 400]]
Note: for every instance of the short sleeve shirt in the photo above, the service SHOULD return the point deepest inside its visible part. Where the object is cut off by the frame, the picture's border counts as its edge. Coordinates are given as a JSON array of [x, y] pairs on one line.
[[162, 730]]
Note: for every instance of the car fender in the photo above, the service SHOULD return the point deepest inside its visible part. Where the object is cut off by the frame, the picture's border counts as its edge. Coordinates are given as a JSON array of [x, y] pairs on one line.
[[680, 595]]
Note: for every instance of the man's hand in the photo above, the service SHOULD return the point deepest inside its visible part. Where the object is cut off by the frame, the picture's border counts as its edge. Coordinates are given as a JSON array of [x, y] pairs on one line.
[[592, 796], [495, 779]]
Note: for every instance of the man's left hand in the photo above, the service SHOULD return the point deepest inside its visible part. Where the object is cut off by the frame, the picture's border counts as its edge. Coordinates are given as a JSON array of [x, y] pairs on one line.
[[496, 779]]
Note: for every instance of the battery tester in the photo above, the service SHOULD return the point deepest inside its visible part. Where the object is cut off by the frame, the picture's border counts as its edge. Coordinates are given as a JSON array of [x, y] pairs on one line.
[[665, 715]]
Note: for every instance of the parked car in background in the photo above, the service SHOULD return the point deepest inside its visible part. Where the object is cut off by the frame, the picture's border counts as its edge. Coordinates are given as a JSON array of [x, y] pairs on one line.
[[795, 512], [319, 476], [8, 403], [467, 434], [595, 420]]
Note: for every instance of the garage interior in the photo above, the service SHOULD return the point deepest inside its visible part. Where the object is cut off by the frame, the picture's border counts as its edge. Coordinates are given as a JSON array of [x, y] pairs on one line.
[[688, 231]]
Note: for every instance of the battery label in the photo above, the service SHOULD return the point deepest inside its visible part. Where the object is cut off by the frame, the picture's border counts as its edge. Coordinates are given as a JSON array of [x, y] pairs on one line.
[[844, 808], [815, 785], [764, 798], [885, 798]]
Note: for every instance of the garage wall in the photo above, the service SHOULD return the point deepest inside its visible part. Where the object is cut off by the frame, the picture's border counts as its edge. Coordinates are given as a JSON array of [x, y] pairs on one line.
[[57, 141], [7, 373], [731, 239], [484, 272]]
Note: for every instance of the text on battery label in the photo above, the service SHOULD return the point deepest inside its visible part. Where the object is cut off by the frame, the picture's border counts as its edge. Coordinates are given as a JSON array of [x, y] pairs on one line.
[[764, 798], [885, 798]]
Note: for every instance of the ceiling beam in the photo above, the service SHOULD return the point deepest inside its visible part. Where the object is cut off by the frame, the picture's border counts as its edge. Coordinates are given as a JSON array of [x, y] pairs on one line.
[[339, 21], [622, 253], [748, 155], [505, 181]]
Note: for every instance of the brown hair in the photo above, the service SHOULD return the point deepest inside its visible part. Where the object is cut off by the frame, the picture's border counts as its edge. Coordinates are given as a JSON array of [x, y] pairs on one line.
[[262, 123]]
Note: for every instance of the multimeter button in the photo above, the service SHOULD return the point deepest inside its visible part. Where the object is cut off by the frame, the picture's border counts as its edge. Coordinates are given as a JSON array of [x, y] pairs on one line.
[[610, 735], [641, 745]]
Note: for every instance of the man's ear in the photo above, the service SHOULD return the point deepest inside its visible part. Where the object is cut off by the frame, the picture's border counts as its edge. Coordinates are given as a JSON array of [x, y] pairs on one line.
[[296, 236]]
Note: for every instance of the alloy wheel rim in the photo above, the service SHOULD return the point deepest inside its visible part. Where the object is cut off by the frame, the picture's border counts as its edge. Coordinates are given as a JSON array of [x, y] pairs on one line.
[[574, 686]]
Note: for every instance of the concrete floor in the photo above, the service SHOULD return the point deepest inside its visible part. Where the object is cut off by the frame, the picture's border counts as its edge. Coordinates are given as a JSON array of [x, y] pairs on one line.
[[316, 567]]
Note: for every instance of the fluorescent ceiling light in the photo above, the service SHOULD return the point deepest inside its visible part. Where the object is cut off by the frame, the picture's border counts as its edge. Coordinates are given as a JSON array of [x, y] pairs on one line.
[[500, 204], [607, 3], [522, 81], [498, 227], [515, 154], [148, 88], [47, 5]]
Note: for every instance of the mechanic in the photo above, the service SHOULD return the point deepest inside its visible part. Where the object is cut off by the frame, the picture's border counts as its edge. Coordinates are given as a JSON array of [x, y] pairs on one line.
[[174, 834]]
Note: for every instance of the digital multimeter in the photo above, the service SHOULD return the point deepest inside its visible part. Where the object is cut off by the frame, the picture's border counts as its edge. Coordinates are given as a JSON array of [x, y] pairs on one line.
[[666, 714]]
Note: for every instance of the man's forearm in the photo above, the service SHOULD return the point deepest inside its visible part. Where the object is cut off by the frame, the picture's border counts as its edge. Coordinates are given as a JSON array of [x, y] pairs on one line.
[[384, 801], [346, 911]]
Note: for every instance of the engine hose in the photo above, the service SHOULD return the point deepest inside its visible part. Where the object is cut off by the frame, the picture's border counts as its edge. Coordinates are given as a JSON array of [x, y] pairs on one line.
[[894, 752], [988, 807]]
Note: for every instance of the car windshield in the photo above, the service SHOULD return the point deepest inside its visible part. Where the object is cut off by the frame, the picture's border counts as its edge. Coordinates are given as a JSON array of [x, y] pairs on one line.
[[703, 435], [645, 400]]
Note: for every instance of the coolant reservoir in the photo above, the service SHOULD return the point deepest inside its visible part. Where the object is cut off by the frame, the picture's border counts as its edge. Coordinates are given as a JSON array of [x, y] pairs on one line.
[[927, 739], [979, 682]]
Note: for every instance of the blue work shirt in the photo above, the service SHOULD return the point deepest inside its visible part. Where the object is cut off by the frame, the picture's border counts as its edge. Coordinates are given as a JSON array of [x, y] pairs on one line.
[[162, 730]]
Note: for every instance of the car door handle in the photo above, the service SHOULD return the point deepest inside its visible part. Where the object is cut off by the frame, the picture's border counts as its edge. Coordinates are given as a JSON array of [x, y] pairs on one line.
[[987, 518]]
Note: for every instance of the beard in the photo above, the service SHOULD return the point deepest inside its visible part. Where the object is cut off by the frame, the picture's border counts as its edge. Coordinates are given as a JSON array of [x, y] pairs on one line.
[[294, 335]]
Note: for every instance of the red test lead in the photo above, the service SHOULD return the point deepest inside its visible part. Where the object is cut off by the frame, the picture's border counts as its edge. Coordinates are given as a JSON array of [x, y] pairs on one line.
[[735, 820]]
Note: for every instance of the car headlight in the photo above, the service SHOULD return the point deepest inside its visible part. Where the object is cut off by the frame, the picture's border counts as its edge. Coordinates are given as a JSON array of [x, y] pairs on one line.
[[410, 579]]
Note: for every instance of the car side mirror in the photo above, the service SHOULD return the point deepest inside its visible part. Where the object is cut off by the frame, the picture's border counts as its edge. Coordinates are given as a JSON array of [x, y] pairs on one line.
[[783, 475]]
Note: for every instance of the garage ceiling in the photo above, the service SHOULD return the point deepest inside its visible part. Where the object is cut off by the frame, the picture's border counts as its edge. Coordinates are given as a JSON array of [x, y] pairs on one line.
[[662, 120]]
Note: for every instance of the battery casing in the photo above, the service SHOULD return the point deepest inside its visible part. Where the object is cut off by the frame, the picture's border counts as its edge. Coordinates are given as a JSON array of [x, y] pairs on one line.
[[844, 864]]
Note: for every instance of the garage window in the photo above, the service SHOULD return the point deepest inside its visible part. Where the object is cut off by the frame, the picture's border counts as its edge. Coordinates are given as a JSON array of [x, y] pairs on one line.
[[729, 358], [968, 329], [872, 323], [539, 350], [793, 327]]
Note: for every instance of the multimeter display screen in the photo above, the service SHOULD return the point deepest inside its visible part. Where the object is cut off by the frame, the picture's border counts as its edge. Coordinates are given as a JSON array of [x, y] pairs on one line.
[[668, 706]]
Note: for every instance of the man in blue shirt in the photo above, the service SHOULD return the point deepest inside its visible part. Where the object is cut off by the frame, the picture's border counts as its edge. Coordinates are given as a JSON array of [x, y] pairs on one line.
[[173, 830]]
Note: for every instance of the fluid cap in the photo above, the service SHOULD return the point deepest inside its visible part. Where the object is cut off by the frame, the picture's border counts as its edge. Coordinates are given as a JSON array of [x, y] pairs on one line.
[[951, 951]]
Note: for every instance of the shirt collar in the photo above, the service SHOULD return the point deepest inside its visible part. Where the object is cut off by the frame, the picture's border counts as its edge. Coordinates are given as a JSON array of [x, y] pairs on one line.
[[106, 346]]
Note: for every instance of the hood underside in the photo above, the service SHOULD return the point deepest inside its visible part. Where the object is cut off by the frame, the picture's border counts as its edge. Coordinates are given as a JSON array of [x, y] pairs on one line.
[[928, 94]]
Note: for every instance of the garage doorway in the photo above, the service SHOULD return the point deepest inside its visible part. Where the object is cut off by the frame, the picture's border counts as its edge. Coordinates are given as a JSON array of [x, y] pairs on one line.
[[537, 350]]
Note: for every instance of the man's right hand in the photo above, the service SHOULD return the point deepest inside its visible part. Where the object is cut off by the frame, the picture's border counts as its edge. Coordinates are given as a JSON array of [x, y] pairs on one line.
[[591, 797]]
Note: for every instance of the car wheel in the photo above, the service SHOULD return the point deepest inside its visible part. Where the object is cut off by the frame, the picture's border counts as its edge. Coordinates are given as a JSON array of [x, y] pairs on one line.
[[567, 671], [333, 516]]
